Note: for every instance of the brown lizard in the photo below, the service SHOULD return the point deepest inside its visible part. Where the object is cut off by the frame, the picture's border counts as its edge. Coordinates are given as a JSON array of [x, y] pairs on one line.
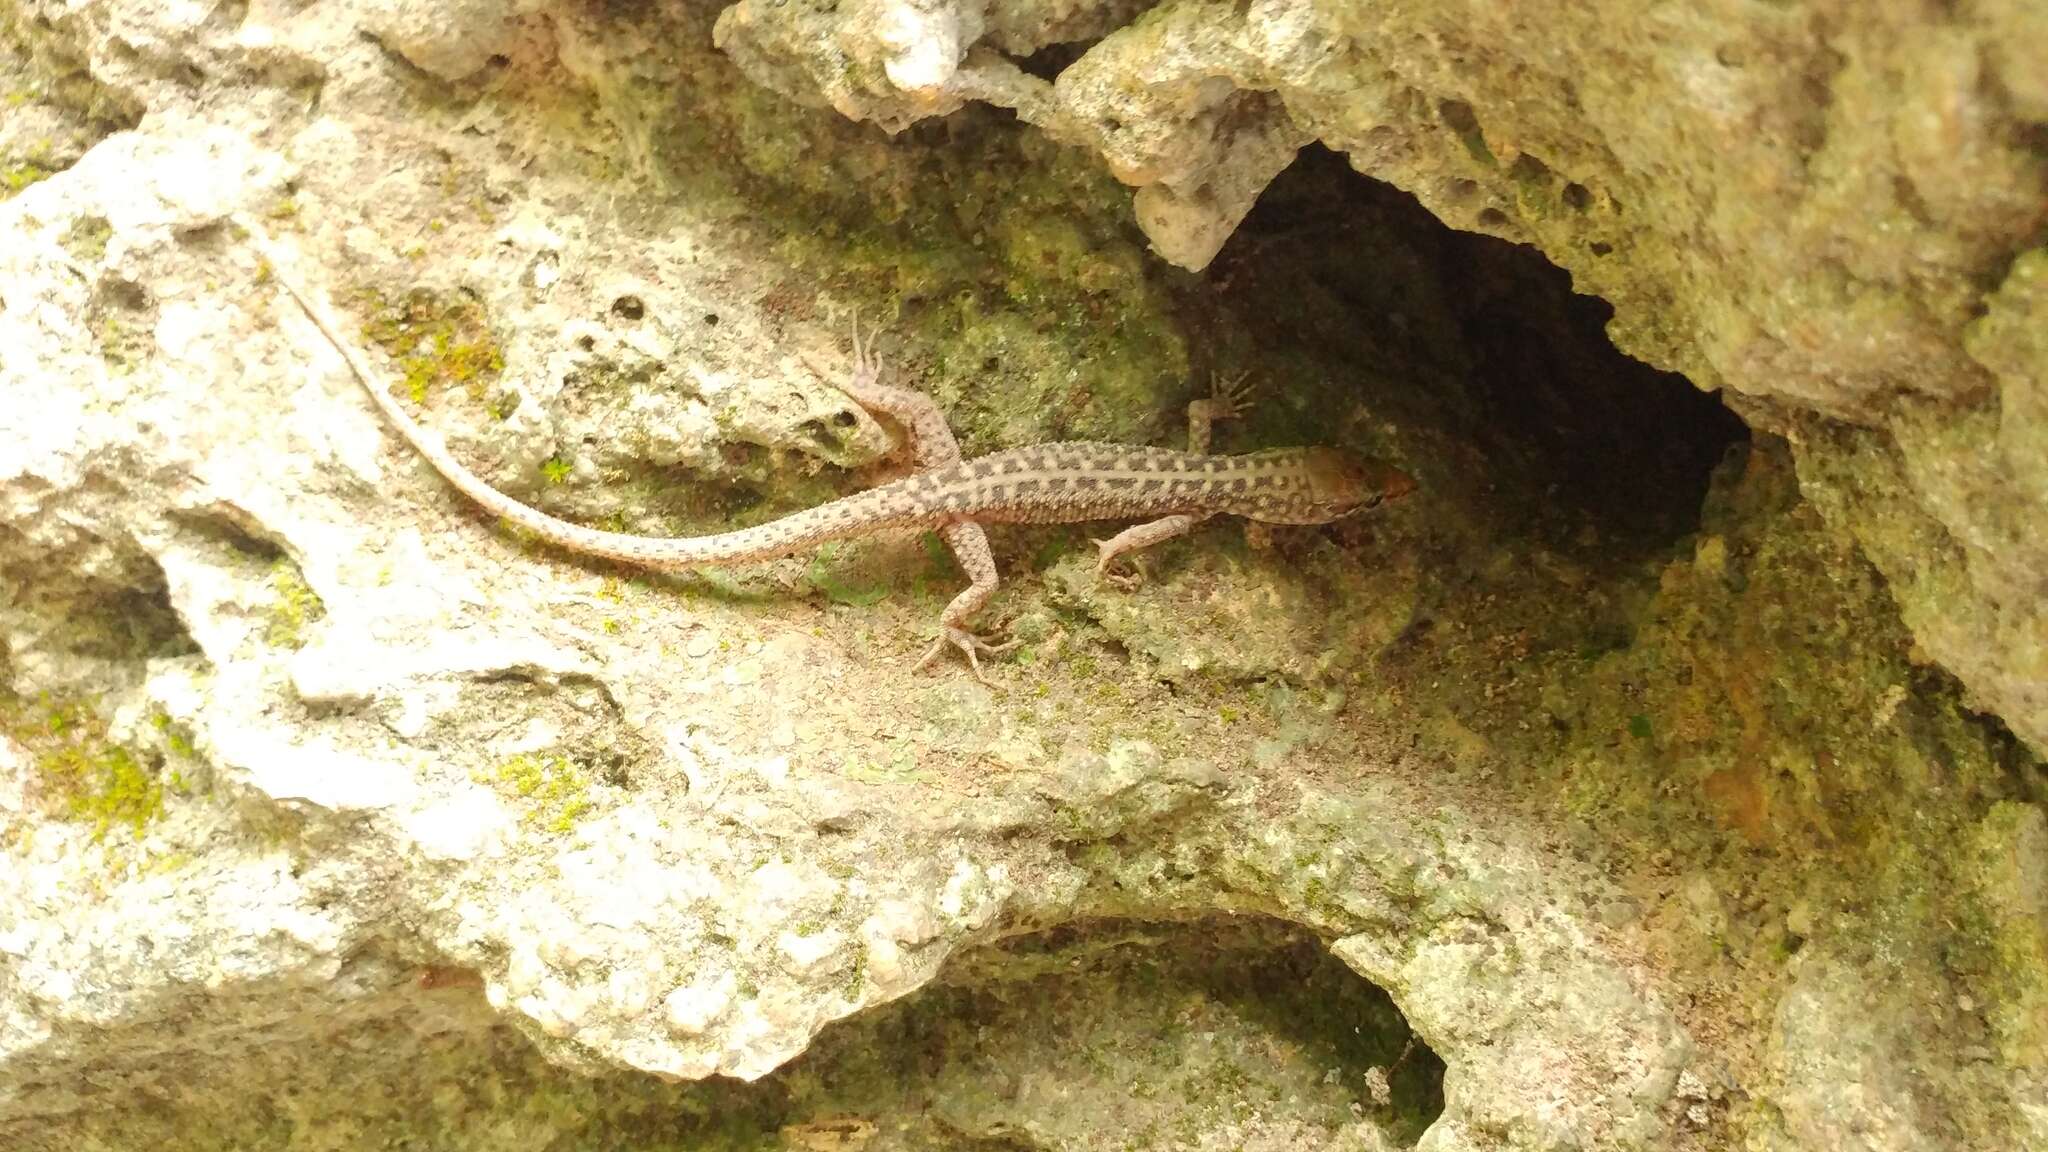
[[1044, 484]]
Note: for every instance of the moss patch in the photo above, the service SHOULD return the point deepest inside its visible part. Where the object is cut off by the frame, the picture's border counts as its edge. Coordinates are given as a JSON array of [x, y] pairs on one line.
[[16, 177], [296, 605], [1016, 262], [439, 340], [84, 775], [86, 239], [555, 789]]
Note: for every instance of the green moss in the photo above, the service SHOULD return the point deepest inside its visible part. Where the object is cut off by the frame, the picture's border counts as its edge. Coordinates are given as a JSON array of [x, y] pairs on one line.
[[856, 975], [2006, 925], [83, 774], [86, 239], [826, 576], [438, 341], [556, 789], [295, 606], [178, 747], [19, 176], [1013, 262], [555, 469]]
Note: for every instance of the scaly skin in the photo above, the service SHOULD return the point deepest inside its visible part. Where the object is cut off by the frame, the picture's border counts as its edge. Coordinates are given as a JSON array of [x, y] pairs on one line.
[[1043, 484]]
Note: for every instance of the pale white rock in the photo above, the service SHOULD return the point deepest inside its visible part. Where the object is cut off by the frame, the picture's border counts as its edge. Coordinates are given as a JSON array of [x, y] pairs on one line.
[[812, 954], [525, 970], [922, 43], [14, 770], [568, 944], [775, 888], [773, 770], [416, 711], [885, 962], [451, 40], [972, 895], [668, 1060], [691, 1009], [628, 991], [348, 667], [464, 825], [650, 344], [557, 1008], [902, 921], [184, 329], [312, 772], [252, 422]]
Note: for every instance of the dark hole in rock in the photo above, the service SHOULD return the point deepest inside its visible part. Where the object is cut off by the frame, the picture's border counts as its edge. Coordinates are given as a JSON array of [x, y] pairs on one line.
[[210, 238], [126, 295], [1107, 1034], [1223, 1019], [94, 597], [1048, 62], [1458, 116], [230, 528], [629, 308], [1504, 388]]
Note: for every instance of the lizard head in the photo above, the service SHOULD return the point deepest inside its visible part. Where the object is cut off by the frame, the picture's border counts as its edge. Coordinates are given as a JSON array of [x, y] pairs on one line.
[[1341, 484]]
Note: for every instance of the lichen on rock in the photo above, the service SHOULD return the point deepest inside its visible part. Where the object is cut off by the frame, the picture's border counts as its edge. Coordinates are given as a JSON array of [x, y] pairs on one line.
[[1650, 778]]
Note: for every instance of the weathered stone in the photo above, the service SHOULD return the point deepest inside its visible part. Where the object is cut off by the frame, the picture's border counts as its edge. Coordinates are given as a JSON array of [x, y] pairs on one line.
[[321, 799]]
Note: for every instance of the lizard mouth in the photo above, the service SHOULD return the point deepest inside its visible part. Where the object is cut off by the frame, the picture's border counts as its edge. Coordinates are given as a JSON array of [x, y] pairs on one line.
[[1394, 484]]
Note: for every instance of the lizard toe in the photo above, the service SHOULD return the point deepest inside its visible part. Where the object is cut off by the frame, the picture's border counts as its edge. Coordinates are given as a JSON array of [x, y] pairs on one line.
[[970, 645], [1106, 571]]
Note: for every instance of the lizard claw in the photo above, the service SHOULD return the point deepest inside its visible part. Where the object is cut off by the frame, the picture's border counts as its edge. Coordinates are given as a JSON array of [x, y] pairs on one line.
[[1230, 397], [867, 363], [1105, 572], [970, 645]]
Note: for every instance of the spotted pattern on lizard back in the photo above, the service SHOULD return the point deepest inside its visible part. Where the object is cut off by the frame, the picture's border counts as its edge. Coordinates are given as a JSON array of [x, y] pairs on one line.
[[1061, 482]]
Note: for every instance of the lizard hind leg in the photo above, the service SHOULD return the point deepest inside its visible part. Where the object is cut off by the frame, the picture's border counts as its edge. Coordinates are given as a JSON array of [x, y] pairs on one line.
[[1133, 538], [1229, 398], [970, 547]]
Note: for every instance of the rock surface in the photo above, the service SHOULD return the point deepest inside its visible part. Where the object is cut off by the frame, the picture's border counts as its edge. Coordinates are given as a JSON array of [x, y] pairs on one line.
[[1609, 793], [1834, 215]]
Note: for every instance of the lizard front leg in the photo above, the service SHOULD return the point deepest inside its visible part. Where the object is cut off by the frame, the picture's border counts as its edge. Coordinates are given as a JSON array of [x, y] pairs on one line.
[[970, 547], [932, 445], [1228, 399], [929, 437]]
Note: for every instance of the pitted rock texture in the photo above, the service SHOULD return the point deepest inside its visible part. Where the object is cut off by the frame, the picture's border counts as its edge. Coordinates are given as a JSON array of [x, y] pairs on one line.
[[1834, 215], [328, 811]]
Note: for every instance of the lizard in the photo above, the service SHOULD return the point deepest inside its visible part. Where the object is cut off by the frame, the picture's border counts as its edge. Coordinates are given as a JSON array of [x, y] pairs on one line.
[[1061, 482]]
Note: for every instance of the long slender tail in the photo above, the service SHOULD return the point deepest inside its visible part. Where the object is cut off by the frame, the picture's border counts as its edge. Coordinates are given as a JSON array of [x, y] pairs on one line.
[[778, 538]]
